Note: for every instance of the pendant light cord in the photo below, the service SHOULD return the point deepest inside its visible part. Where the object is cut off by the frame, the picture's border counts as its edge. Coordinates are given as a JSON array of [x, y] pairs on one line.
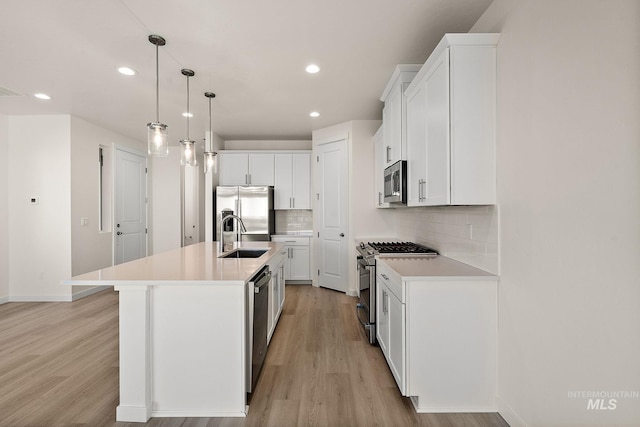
[[188, 109], [210, 129], [157, 87]]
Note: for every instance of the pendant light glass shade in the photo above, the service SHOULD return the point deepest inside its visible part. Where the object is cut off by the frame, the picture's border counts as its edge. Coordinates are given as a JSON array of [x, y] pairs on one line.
[[188, 147], [209, 154], [157, 135], [188, 153]]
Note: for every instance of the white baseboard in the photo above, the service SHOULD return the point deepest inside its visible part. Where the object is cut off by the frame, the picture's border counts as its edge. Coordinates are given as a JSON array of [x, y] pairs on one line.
[[509, 414], [352, 293], [89, 291], [4, 300]]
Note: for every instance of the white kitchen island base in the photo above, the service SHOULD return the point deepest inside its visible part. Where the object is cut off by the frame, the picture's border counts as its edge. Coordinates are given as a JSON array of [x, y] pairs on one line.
[[186, 317], [185, 347]]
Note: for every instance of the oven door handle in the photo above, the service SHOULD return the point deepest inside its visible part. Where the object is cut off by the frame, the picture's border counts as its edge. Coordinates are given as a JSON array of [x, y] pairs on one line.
[[363, 263], [359, 308]]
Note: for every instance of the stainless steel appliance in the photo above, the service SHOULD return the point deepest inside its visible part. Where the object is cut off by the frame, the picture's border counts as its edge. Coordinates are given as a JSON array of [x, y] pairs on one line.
[[258, 297], [254, 204], [395, 183], [366, 258]]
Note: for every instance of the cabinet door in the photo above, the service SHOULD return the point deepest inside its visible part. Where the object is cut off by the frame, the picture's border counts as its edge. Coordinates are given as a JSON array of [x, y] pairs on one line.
[[234, 169], [281, 286], [283, 181], [392, 119], [396, 348], [271, 310], [261, 169], [301, 176], [382, 316], [437, 187], [299, 263], [416, 145], [378, 140]]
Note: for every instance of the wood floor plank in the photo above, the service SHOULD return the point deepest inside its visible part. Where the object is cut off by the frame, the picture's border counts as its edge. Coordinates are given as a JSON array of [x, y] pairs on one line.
[[59, 368]]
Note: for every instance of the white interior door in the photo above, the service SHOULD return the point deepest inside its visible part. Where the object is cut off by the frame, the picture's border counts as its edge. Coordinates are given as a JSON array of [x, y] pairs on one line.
[[333, 209], [130, 206]]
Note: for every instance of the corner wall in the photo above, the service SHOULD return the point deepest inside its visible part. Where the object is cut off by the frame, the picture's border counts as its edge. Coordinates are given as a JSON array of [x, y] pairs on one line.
[[4, 209], [39, 233], [568, 157]]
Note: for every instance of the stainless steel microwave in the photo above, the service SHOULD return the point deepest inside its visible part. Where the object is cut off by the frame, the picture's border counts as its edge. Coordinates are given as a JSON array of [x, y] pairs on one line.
[[395, 183]]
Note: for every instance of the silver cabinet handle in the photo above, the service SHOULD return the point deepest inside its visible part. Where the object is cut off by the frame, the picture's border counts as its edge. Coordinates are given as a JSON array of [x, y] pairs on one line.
[[379, 198], [388, 155], [384, 301], [341, 234], [293, 199], [384, 276]]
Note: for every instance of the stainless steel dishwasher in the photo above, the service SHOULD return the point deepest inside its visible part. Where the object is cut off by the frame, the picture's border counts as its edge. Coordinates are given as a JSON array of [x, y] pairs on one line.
[[258, 290]]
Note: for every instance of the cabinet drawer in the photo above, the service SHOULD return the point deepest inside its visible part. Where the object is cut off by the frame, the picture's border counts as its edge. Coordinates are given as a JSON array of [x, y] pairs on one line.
[[291, 240], [390, 278]]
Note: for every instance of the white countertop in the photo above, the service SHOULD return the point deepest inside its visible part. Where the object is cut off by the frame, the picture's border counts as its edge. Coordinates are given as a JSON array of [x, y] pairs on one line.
[[432, 268], [197, 264]]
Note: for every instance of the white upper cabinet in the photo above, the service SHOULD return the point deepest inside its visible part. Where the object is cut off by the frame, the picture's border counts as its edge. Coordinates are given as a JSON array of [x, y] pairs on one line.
[[292, 181], [393, 113], [246, 168], [380, 162], [450, 130]]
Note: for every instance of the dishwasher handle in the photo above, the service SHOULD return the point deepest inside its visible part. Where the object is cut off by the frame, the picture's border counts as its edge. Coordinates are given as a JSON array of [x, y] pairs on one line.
[[261, 279]]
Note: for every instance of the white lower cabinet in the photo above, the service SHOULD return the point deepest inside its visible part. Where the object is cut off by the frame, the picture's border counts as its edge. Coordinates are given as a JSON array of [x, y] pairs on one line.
[[439, 337], [298, 257], [276, 292], [391, 329]]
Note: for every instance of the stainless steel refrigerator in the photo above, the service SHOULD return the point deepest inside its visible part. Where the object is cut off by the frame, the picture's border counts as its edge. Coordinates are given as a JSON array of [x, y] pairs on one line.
[[254, 204]]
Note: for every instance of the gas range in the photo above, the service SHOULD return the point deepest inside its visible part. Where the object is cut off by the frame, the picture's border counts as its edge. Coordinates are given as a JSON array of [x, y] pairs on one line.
[[370, 249], [366, 260]]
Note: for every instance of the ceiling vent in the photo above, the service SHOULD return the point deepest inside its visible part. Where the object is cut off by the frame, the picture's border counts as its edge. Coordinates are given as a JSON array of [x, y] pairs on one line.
[[8, 92]]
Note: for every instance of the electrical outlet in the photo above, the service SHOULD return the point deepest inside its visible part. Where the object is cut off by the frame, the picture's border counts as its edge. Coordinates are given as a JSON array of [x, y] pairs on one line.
[[84, 221]]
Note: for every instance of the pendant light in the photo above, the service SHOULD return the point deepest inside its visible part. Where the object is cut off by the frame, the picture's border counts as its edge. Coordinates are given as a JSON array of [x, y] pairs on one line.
[[188, 147], [157, 135], [209, 154]]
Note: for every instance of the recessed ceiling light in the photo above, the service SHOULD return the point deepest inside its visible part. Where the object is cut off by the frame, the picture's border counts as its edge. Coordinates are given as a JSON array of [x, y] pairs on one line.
[[314, 114], [42, 96], [127, 71], [187, 114], [312, 69]]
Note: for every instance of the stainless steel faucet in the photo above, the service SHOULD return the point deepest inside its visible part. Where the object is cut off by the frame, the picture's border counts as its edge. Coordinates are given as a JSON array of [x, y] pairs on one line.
[[224, 220]]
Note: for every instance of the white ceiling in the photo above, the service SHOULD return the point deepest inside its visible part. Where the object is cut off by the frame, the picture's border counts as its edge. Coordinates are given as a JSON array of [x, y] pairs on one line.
[[251, 53]]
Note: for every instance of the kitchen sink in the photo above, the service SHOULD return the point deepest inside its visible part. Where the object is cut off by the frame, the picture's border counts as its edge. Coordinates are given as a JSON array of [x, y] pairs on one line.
[[244, 253]]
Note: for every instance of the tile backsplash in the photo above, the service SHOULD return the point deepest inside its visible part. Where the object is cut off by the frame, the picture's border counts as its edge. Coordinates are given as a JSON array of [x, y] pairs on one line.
[[469, 234], [288, 221]]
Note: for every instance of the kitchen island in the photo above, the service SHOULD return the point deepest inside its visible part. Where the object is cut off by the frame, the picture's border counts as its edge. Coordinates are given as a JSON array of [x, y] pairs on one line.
[[184, 320]]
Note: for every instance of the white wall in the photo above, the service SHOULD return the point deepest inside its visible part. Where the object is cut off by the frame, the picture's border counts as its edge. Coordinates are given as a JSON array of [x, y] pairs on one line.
[[4, 209], [90, 248], [39, 234], [568, 155], [165, 191]]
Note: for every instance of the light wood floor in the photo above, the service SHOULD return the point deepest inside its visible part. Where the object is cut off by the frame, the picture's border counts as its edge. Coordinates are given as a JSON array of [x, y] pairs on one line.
[[59, 367]]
